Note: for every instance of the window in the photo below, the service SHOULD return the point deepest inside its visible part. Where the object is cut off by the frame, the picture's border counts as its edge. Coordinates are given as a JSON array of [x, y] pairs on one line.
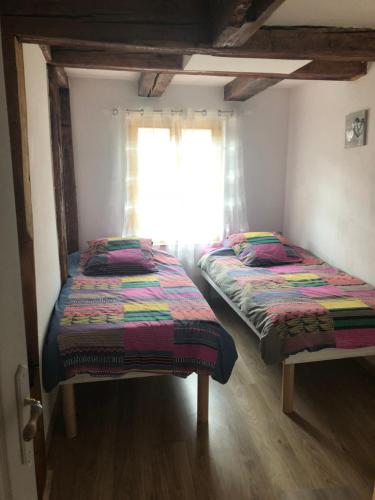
[[176, 180]]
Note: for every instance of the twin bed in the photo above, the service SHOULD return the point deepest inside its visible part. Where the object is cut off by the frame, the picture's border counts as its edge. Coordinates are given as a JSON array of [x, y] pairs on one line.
[[158, 323], [126, 326], [301, 312]]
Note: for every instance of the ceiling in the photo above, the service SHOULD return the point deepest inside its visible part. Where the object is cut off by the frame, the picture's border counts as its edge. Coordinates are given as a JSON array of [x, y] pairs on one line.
[[201, 62], [346, 13], [319, 13], [198, 63], [132, 76], [199, 80], [108, 74]]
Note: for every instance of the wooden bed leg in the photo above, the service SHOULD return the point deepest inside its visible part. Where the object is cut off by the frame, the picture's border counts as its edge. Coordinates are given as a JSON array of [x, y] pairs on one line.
[[69, 409], [203, 391], [287, 388]]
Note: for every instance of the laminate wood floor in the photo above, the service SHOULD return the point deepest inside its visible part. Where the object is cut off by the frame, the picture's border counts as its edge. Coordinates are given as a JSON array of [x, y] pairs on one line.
[[138, 439]]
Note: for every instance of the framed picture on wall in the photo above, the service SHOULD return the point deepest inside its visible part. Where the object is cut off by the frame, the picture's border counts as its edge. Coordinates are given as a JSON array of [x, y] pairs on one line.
[[356, 129]]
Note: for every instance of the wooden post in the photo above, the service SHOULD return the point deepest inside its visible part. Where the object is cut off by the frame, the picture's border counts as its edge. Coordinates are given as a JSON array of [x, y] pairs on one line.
[[69, 409], [69, 183], [58, 168], [203, 391], [287, 388]]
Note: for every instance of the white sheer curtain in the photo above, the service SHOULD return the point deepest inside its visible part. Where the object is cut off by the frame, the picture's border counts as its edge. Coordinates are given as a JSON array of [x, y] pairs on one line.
[[235, 208], [184, 179]]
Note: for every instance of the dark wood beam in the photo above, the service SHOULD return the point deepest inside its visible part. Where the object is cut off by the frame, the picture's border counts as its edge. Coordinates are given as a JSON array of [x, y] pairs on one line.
[[69, 183], [237, 20], [131, 11], [325, 44], [153, 84], [243, 88], [103, 31], [58, 166], [329, 44], [229, 21], [330, 70], [100, 59]]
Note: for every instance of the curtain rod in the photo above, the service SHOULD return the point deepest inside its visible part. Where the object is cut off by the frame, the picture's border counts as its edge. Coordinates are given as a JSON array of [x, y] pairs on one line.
[[180, 111]]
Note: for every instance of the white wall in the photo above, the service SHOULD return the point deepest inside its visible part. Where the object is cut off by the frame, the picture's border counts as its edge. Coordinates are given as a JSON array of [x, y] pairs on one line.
[[47, 266], [330, 190], [97, 144], [12, 331], [265, 140]]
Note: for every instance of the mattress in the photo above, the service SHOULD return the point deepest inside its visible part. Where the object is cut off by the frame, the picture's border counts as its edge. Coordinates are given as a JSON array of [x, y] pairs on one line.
[[156, 322], [306, 306]]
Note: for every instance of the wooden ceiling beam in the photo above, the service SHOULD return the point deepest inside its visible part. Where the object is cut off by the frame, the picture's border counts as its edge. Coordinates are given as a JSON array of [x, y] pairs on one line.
[[108, 60], [243, 88], [330, 70], [153, 84], [315, 43], [329, 44], [229, 22], [237, 20], [99, 32], [99, 59], [131, 11]]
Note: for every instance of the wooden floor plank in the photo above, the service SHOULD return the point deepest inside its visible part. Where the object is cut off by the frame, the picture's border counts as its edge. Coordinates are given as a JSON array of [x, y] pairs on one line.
[[138, 439]]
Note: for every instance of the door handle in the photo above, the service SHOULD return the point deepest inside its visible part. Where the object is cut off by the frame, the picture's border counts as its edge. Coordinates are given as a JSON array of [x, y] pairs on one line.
[[36, 409]]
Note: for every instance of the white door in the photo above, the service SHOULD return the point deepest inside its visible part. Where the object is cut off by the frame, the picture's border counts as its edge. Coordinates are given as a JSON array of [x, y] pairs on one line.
[[17, 481]]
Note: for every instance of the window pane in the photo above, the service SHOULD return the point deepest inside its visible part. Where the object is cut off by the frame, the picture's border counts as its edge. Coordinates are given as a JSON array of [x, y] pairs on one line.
[[156, 176], [180, 185], [203, 180]]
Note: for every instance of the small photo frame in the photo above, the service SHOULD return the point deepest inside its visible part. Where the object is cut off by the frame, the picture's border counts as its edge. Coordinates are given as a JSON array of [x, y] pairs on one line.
[[356, 129]]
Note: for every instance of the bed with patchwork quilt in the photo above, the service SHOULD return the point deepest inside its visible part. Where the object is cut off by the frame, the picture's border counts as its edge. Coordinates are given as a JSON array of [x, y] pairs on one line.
[[297, 306], [158, 322]]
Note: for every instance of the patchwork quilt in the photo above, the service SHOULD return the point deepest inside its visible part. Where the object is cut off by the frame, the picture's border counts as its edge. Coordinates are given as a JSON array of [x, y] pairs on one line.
[[306, 306], [110, 325]]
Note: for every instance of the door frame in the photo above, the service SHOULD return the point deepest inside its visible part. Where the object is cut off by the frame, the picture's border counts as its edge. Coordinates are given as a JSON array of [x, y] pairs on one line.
[[14, 76]]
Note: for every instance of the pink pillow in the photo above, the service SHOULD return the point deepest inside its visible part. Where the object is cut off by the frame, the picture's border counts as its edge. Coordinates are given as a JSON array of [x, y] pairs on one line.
[[262, 249], [116, 256]]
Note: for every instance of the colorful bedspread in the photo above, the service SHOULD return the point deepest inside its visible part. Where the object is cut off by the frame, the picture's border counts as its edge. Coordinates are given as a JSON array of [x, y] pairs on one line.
[[109, 325], [306, 306]]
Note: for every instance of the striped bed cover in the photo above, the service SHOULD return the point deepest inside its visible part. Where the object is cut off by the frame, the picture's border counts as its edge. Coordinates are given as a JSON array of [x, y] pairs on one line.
[[110, 325], [306, 306]]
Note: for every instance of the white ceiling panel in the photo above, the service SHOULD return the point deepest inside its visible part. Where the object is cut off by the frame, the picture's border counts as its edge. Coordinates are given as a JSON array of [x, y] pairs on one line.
[[346, 13], [108, 74], [209, 81], [206, 81], [200, 62]]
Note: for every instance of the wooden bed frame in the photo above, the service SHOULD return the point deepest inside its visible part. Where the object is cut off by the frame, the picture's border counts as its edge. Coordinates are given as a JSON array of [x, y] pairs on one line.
[[69, 405], [293, 359]]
